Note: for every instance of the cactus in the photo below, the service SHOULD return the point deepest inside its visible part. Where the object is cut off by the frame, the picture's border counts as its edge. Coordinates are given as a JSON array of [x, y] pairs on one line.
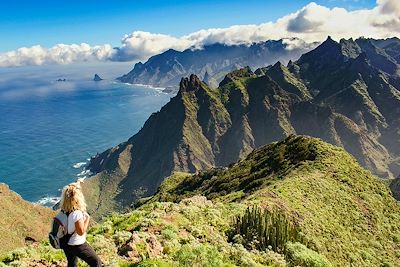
[[263, 228]]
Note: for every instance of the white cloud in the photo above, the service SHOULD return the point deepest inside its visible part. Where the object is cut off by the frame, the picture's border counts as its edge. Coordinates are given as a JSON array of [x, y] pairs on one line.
[[140, 45], [312, 23], [389, 6], [58, 54]]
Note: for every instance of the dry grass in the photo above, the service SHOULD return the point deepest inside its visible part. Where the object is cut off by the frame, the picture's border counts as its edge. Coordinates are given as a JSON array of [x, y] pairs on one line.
[[20, 220]]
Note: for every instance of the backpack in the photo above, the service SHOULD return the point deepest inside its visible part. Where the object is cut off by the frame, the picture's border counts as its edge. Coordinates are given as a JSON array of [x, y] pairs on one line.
[[58, 236]]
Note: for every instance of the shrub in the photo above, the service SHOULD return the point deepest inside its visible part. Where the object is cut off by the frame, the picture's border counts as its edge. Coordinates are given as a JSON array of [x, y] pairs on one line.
[[240, 256], [201, 255], [51, 255], [154, 263], [15, 255], [103, 245], [299, 255], [171, 247], [169, 232], [121, 237]]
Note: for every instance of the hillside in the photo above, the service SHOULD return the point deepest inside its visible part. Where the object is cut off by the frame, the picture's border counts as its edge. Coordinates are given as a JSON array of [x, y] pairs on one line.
[[339, 92], [212, 62], [346, 216], [21, 222]]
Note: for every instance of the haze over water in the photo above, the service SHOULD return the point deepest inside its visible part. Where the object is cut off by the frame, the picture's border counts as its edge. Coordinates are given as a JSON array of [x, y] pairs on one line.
[[47, 127]]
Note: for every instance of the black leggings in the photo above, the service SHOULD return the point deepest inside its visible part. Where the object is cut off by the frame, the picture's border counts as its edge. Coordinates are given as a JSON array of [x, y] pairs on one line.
[[84, 252]]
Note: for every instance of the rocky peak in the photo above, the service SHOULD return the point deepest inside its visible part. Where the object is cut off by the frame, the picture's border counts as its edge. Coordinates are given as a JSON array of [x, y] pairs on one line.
[[350, 48], [191, 84], [325, 51], [329, 45], [278, 66]]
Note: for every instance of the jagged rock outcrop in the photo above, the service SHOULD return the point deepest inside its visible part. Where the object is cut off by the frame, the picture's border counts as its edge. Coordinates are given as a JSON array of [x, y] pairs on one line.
[[336, 92]]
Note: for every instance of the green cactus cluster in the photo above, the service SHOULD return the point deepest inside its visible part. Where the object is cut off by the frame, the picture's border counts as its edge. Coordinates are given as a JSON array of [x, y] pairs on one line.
[[264, 229]]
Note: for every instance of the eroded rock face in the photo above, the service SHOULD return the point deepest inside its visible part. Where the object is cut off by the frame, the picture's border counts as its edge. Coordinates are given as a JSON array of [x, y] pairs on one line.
[[141, 247], [154, 246], [130, 250]]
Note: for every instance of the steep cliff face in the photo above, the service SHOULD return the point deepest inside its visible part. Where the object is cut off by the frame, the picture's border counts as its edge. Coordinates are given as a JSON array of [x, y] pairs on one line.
[[334, 92], [211, 62], [21, 222]]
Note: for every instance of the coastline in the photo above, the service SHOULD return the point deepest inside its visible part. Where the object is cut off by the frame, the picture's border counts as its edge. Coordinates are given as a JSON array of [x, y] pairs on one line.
[[50, 201], [141, 85]]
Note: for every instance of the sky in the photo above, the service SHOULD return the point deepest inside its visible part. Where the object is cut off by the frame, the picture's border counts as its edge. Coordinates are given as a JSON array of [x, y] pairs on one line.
[[62, 32], [48, 23]]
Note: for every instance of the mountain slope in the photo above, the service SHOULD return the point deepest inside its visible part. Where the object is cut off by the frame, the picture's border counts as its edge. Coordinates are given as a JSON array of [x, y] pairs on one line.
[[211, 62], [342, 99], [21, 222], [343, 210], [346, 215]]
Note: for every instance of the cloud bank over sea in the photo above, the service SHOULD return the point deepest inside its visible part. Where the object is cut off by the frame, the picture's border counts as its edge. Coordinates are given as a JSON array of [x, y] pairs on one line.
[[312, 23]]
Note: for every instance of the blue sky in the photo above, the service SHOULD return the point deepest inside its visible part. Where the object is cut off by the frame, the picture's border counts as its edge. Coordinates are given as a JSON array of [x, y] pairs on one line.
[[27, 23]]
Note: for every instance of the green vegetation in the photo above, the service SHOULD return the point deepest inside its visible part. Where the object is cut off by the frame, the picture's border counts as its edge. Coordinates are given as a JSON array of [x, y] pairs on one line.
[[299, 255], [344, 212], [260, 168], [288, 81], [189, 233], [311, 205], [262, 229]]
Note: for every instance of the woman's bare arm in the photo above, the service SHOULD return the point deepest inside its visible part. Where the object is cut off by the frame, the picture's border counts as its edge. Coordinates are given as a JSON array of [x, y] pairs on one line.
[[82, 224]]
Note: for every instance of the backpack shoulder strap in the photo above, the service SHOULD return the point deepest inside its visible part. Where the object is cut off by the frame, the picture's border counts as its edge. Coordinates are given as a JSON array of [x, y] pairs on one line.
[[67, 214]]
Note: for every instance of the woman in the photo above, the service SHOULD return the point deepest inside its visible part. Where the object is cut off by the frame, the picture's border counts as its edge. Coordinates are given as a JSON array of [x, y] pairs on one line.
[[73, 204]]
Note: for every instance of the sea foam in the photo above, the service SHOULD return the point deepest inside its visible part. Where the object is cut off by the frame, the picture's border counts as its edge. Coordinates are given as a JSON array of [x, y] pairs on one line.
[[79, 165], [83, 174], [48, 201]]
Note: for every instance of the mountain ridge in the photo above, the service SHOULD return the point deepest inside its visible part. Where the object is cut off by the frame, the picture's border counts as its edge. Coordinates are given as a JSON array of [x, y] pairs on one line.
[[211, 62], [344, 100]]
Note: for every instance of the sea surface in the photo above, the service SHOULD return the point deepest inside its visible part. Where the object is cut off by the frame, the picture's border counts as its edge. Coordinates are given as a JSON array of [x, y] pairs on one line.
[[49, 129]]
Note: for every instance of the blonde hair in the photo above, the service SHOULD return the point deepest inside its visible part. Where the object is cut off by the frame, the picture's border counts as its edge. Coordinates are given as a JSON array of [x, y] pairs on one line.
[[72, 198]]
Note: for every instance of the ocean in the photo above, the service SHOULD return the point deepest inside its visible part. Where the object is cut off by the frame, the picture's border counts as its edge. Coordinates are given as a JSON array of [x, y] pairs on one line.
[[49, 129]]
